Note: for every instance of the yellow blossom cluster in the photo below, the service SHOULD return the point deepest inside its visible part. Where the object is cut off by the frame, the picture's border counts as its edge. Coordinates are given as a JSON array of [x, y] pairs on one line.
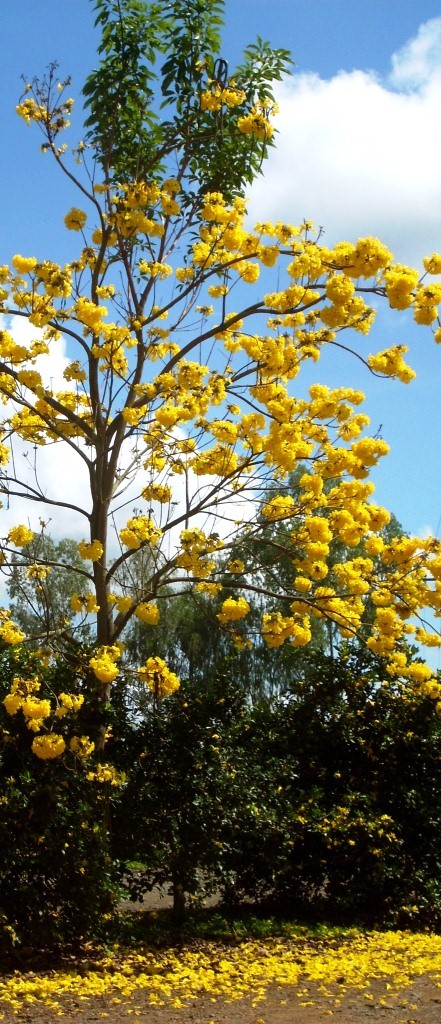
[[138, 531], [148, 613], [103, 663], [210, 589], [93, 550], [81, 746], [48, 746], [277, 628], [122, 602], [106, 774], [280, 507], [196, 548], [75, 219], [257, 122], [9, 632], [38, 571], [391, 363], [69, 703], [236, 566], [24, 696], [21, 536], [158, 677], [84, 603], [157, 492], [216, 97], [233, 609]]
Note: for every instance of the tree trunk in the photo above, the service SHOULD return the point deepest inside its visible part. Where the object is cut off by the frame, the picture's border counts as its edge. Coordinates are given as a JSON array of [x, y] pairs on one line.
[[178, 901]]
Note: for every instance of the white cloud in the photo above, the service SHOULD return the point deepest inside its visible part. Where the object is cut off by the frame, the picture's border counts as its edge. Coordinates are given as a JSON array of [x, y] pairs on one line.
[[358, 155], [419, 60]]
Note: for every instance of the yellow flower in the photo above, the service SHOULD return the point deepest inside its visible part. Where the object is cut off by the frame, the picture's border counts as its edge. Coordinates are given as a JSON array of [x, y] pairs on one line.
[[35, 709], [90, 314], [140, 530], [255, 123], [20, 536], [249, 272], [75, 219], [281, 507], [148, 613], [184, 274], [123, 604], [10, 633], [69, 703], [106, 773], [49, 746], [76, 603], [158, 677], [13, 702], [211, 589], [433, 263], [103, 663], [24, 264], [74, 371], [236, 566], [157, 492], [233, 610], [92, 551], [82, 746], [339, 289], [276, 629]]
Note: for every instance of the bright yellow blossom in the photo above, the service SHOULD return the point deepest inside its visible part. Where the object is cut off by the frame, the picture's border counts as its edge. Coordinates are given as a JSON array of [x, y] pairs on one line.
[[21, 536], [48, 746], [148, 613], [75, 219], [140, 530], [103, 663], [94, 550], [233, 609], [158, 677]]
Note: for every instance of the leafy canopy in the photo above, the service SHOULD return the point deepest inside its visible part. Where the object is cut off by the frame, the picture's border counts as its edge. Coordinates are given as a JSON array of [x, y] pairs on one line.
[[143, 118]]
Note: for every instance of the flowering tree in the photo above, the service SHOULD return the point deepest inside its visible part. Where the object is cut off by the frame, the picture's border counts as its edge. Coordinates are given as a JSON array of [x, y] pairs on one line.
[[178, 399]]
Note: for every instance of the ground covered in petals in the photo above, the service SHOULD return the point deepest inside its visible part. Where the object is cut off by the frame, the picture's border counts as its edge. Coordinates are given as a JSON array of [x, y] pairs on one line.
[[300, 977]]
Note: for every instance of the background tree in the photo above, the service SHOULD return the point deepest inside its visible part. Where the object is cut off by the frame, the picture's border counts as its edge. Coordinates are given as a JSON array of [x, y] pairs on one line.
[[41, 587], [323, 800]]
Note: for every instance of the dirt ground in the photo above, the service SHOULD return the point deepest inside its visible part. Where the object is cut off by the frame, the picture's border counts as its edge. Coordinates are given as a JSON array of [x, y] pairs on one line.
[[422, 1005], [418, 1004]]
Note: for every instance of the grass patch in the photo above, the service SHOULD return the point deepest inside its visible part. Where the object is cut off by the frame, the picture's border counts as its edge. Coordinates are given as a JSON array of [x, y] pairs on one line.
[[158, 928]]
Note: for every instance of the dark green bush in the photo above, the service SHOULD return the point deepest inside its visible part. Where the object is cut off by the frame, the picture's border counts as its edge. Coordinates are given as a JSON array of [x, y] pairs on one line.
[[55, 870]]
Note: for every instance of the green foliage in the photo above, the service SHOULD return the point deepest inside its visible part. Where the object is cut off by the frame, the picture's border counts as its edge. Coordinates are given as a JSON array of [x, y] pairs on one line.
[[41, 606], [325, 801], [126, 93], [178, 793], [196, 39], [57, 877], [120, 93], [344, 825]]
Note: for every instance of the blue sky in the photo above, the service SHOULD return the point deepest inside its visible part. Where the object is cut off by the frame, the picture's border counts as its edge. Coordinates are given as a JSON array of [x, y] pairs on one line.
[[358, 153]]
